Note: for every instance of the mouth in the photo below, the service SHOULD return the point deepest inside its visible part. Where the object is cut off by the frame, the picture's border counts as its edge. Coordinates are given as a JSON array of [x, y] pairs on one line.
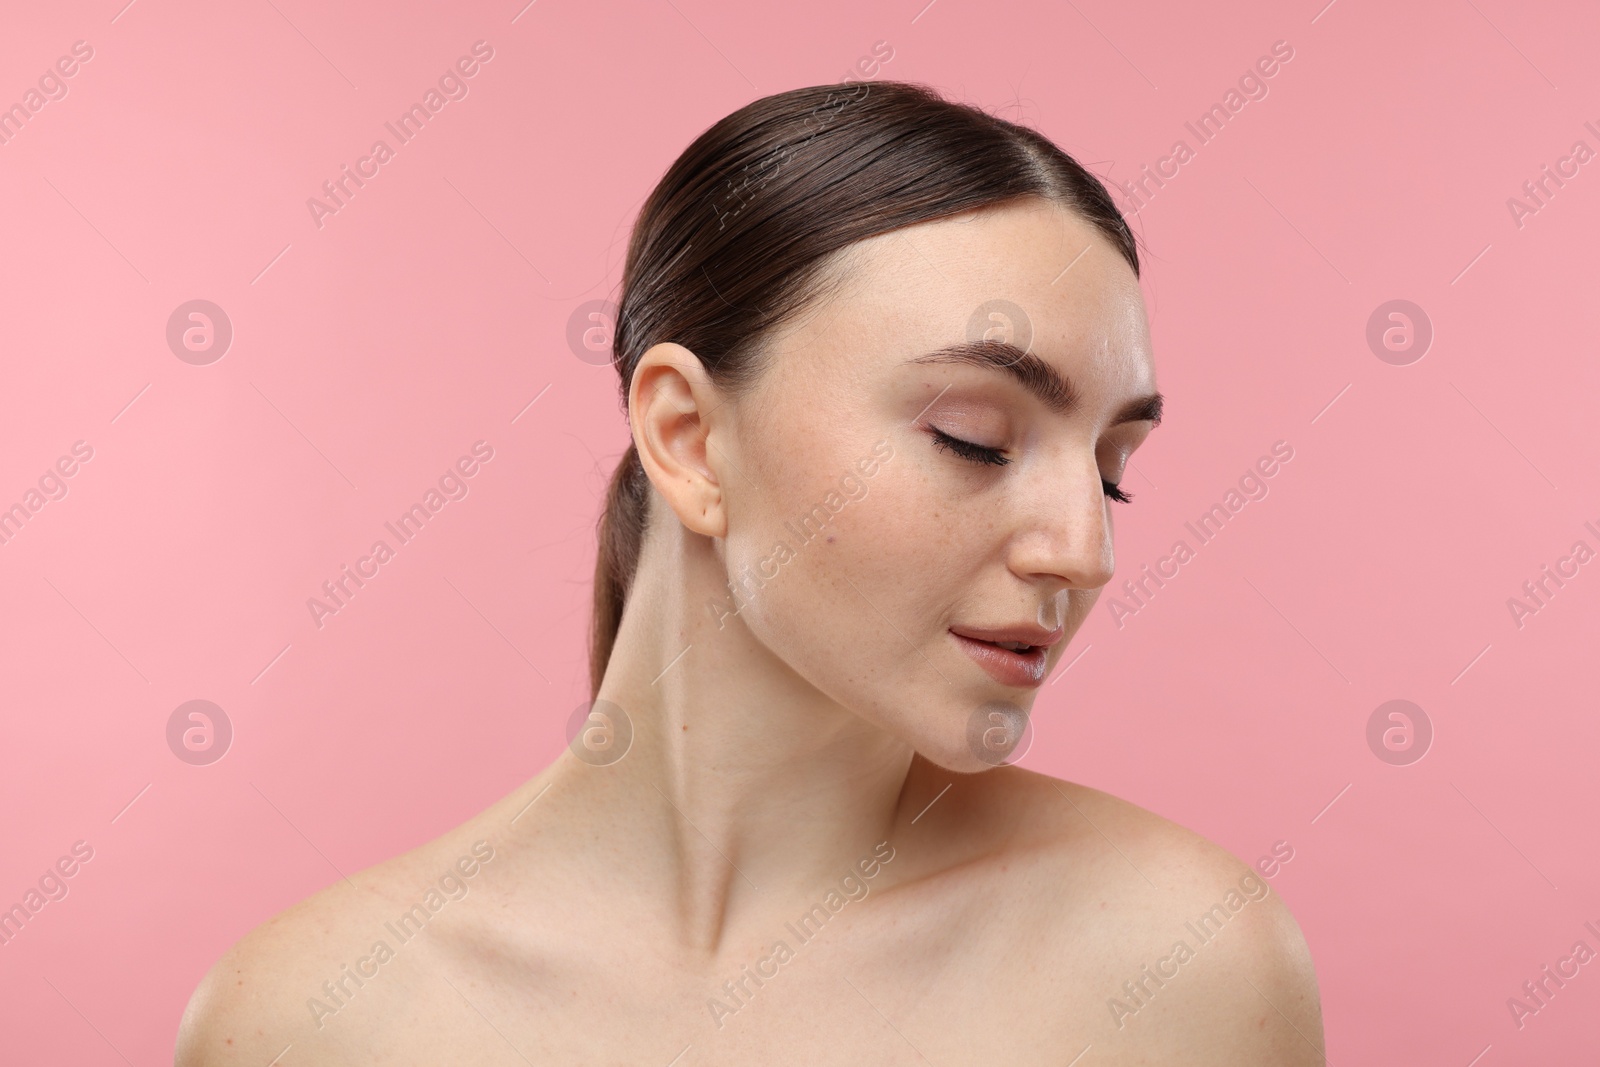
[[1019, 663]]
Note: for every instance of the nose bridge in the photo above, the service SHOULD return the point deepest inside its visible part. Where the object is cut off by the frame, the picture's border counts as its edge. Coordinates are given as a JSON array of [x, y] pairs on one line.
[[1066, 532]]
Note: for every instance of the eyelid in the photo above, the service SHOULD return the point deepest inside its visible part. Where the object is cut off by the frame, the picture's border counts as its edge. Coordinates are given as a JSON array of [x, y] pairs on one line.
[[994, 457], [969, 450]]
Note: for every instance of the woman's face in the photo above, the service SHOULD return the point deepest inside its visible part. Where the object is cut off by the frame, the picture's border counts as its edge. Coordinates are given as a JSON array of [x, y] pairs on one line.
[[867, 542]]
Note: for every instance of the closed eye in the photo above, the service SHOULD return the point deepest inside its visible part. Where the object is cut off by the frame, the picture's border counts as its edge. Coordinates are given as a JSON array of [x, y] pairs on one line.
[[994, 457]]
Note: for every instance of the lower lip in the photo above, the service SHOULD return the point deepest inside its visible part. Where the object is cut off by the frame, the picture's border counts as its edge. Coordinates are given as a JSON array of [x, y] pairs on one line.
[[1021, 670]]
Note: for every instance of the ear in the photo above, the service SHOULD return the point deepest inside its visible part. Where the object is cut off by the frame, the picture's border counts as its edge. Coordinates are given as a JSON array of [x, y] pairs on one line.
[[668, 401]]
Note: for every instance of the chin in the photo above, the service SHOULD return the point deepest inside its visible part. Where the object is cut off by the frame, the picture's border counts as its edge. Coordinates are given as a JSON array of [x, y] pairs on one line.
[[956, 760], [995, 734]]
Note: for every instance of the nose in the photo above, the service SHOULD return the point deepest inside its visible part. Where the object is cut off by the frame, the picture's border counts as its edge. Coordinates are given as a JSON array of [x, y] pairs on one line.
[[1063, 536]]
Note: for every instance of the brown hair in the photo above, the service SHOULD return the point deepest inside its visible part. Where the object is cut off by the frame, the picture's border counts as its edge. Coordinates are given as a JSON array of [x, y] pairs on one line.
[[739, 234]]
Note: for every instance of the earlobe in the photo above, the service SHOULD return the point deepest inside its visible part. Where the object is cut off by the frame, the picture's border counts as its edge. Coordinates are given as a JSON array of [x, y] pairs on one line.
[[669, 400]]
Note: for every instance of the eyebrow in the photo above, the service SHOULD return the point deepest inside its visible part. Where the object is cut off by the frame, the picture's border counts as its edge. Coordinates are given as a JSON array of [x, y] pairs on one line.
[[1038, 377]]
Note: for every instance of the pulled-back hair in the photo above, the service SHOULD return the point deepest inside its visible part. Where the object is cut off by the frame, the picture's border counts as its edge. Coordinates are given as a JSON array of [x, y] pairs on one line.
[[737, 237]]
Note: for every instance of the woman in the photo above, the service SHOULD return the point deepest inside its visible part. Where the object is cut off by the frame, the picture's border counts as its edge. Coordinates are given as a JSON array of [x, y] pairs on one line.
[[884, 358]]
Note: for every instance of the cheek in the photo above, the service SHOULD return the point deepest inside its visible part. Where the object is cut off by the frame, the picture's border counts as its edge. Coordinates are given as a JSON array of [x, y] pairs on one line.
[[848, 585]]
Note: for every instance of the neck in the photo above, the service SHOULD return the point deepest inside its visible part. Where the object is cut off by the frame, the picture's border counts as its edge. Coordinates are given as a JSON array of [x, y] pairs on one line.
[[745, 789]]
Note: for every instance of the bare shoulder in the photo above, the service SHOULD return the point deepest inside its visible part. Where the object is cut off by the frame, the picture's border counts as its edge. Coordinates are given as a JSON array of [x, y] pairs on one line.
[[243, 1003], [1206, 964], [283, 983]]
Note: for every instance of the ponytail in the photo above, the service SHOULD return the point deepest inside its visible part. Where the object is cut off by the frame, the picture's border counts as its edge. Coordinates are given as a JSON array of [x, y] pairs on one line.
[[621, 535]]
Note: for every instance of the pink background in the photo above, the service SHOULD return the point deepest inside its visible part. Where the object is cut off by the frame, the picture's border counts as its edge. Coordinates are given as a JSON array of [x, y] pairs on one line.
[[370, 353]]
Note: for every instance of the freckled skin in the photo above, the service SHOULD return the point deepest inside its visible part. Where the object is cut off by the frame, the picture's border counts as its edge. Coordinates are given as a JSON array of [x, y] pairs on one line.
[[627, 900]]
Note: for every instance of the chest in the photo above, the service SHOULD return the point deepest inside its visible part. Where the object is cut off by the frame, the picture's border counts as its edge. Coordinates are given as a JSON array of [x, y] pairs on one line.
[[894, 993]]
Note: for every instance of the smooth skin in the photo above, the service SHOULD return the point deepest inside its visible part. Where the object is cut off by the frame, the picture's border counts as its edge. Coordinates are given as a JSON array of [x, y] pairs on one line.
[[825, 717]]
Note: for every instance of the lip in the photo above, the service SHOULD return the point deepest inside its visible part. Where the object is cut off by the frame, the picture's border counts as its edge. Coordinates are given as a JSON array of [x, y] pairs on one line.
[[1021, 634], [1020, 670]]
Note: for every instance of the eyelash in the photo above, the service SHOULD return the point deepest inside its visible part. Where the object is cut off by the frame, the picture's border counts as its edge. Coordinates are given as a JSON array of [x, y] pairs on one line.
[[992, 457]]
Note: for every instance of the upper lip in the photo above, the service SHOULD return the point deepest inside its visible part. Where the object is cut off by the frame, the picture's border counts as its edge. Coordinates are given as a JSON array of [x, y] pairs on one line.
[[1024, 634]]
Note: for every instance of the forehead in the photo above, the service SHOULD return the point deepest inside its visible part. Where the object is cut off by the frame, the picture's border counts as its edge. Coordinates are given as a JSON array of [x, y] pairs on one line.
[[1029, 272]]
